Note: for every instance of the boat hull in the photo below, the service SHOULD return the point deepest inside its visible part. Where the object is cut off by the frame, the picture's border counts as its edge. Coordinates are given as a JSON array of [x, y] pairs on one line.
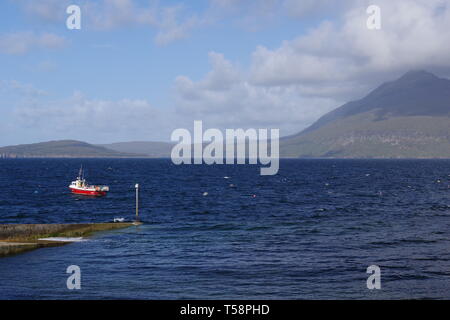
[[87, 192]]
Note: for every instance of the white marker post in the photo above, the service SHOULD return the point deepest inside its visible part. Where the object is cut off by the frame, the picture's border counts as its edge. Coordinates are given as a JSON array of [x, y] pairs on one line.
[[137, 201]]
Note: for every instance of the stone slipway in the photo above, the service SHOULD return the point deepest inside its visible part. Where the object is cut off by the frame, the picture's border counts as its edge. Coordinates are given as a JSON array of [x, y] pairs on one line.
[[17, 238]]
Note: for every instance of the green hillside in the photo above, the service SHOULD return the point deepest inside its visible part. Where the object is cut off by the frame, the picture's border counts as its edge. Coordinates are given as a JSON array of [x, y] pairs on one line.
[[60, 149]]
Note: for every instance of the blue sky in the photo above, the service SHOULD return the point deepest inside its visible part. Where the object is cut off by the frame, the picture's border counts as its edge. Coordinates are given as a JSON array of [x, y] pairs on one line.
[[139, 69]]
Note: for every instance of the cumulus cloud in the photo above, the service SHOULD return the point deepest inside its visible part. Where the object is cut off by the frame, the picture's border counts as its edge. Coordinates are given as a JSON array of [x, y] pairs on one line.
[[17, 43], [412, 36], [224, 98]]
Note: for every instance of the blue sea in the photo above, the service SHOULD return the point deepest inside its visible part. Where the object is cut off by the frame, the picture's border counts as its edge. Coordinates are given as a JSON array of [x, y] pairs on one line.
[[225, 232]]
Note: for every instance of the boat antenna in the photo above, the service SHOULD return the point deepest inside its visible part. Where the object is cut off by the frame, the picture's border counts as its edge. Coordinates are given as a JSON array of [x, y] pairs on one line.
[[80, 174]]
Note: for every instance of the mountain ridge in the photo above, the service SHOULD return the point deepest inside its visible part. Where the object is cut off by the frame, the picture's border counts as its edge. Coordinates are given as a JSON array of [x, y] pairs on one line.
[[392, 121], [393, 91]]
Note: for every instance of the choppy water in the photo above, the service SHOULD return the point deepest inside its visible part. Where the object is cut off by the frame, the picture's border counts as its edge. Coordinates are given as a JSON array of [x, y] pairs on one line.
[[309, 232]]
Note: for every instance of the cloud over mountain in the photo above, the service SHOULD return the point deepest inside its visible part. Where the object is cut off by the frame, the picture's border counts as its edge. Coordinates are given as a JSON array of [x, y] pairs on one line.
[[293, 84]]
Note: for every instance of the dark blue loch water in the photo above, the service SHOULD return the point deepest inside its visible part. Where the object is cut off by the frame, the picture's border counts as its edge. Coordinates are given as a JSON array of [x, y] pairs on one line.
[[309, 232]]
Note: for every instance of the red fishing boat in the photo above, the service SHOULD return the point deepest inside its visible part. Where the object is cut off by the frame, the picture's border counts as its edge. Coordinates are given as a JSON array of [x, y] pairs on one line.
[[80, 186]]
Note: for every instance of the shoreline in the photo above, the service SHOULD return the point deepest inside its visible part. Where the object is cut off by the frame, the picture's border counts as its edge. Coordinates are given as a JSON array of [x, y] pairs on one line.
[[19, 238]]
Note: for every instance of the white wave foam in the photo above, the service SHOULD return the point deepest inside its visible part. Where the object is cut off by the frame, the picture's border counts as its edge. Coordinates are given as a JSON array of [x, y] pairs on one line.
[[64, 239]]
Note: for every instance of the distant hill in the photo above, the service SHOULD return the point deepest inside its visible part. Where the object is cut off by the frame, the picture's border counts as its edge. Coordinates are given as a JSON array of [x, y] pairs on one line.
[[61, 149], [148, 148], [405, 118]]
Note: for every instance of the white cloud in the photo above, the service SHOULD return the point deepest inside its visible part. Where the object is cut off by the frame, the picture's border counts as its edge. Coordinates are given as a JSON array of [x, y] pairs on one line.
[[22, 42], [224, 98], [413, 35], [171, 27]]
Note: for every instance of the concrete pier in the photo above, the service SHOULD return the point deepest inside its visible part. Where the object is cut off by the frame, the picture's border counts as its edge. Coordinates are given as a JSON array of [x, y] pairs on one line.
[[17, 238]]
